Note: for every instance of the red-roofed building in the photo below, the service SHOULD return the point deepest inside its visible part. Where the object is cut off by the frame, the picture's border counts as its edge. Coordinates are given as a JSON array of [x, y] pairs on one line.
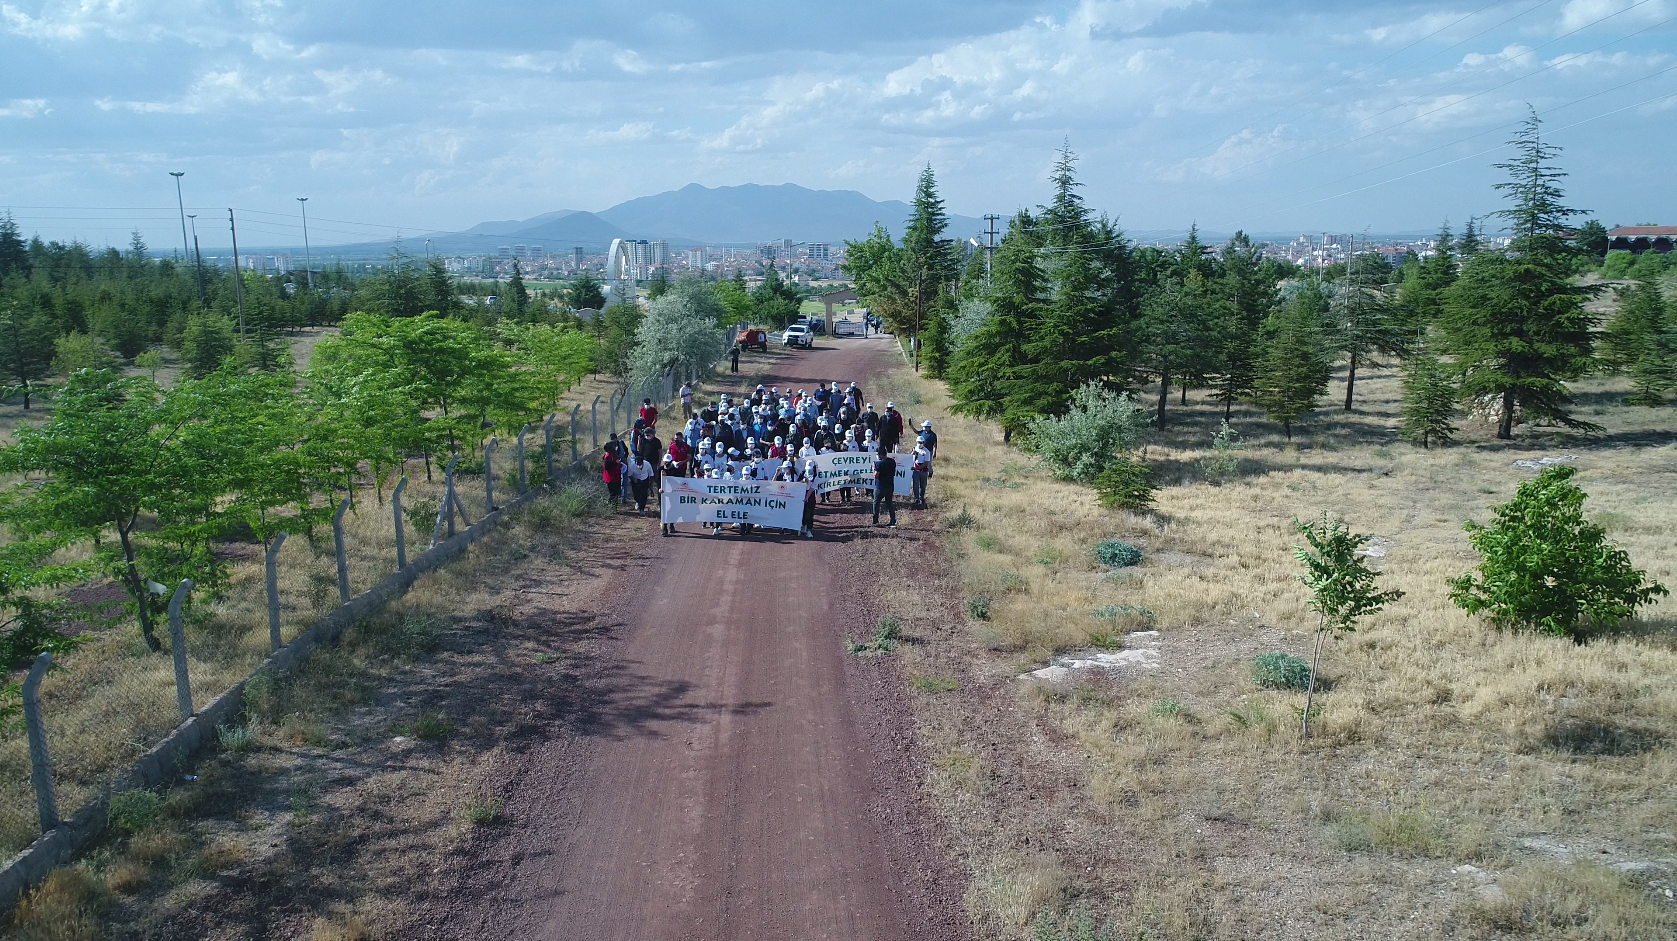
[[1642, 238]]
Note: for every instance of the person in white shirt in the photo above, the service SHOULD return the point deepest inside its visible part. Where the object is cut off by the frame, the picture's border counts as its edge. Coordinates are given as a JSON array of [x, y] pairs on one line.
[[920, 471], [687, 400], [639, 473]]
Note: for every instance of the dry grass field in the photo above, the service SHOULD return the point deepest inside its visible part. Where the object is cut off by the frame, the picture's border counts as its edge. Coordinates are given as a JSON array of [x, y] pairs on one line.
[[1459, 781]]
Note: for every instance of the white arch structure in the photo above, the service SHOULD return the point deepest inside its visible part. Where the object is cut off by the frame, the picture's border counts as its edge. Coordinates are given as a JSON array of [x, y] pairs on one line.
[[620, 281]]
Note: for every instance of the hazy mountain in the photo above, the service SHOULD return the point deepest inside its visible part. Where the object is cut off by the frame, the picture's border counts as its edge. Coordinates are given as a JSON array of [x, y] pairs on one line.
[[755, 213]]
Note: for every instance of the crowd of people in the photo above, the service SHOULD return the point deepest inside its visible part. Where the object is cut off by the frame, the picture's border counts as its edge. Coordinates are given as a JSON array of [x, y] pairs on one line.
[[773, 434]]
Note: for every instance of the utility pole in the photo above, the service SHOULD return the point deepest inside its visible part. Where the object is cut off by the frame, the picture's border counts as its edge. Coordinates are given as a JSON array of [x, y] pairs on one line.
[[238, 276], [198, 259], [990, 249], [308, 257], [177, 174]]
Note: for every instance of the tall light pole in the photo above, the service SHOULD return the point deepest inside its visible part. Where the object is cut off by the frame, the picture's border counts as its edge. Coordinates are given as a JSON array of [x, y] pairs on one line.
[[179, 200], [308, 257], [198, 259], [238, 276]]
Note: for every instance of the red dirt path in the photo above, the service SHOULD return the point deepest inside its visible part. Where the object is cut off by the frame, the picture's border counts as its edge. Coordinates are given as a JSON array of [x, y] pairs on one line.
[[739, 775]]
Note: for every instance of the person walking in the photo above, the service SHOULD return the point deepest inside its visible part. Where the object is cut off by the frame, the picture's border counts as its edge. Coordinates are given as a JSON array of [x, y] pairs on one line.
[[672, 468], [890, 427], [734, 357], [928, 437], [885, 486], [639, 472], [687, 400], [611, 471], [649, 413]]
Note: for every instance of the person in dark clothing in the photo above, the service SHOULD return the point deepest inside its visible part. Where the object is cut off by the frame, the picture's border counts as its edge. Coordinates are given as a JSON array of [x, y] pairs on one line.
[[885, 486], [890, 427], [652, 452], [928, 437], [734, 356]]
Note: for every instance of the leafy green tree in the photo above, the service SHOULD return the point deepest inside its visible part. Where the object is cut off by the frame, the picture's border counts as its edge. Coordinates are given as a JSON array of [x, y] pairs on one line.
[[206, 343], [1617, 265], [1591, 241], [735, 301], [1641, 340], [1429, 400], [680, 332], [1294, 367], [585, 293], [1341, 588], [26, 347], [151, 361], [1099, 427], [1545, 568], [75, 351], [1517, 326], [773, 301], [657, 285], [619, 330]]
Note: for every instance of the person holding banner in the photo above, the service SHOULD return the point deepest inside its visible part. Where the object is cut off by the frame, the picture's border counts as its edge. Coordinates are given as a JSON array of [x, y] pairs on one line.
[[672, 469], [885, 486]]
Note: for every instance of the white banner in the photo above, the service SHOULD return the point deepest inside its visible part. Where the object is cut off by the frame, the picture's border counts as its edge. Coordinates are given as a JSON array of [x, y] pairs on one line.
[[774, 503], [854, 469]]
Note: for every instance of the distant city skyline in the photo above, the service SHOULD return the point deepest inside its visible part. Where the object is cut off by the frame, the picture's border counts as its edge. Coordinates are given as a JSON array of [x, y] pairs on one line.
[[431, 117]]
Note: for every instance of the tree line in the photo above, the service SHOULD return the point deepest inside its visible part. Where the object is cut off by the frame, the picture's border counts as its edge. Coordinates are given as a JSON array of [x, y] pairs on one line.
[[1067, 301]]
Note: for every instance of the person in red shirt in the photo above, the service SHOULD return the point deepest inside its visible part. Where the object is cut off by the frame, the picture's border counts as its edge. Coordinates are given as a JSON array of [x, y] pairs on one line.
[[649, 413], [611, 471], [680, 452]]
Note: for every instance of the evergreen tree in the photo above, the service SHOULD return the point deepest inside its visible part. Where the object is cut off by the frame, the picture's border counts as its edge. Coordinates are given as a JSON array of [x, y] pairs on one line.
[[988, 374], [206, 343], [1591, 241], [1363, 325], [1429, 399], [1180, 333], [934, 336], [14, 257], [585, 293], [26, 347], [439, 288], [1294, 368], [657, 285], [1517, 326], [1641, 340], [1470, 244], [1248, 289], [518, 294]]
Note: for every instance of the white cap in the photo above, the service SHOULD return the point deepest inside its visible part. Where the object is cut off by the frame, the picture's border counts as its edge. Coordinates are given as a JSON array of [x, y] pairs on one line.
[[890, 405], [926, 424], [779, 440]]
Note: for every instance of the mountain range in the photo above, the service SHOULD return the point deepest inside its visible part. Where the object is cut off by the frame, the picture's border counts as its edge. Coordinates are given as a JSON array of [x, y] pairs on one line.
[[696, 215]]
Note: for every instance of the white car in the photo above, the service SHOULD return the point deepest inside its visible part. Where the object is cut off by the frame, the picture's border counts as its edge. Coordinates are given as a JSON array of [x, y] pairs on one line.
[[798, 335]]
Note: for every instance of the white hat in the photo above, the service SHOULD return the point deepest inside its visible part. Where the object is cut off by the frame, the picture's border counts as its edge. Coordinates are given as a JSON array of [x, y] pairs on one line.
[[890, 405], [926, 424], [779, 440]]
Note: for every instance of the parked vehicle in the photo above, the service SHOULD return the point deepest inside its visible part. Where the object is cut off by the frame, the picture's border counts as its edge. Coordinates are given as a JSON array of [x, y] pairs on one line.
[[798, 335], [816, 325], [753, 339]]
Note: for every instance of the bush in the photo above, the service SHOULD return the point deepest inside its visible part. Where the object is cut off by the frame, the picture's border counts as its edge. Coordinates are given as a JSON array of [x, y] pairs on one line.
[[1165, 708], [1126, 484], [1098, 427], [1117, 553], [1279, 670], [1546, 569], [135, 811], [978, 607], [1224, 462], [1132, 616]]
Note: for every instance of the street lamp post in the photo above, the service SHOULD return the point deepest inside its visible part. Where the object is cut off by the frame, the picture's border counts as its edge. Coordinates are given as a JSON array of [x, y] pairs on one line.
[[198, 260], [180, 201], [308, 258]]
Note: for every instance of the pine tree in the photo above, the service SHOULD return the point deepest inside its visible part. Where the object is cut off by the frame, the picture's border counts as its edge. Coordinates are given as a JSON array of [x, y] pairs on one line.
[[1248, 289], [1641, 340], [14, 257], [988, 375], [1470, 244], [934, 335], [519, 294], [1429, 400], [1294, 368], [1363, 323], [439, 288], [1516, 326], [26, 347]]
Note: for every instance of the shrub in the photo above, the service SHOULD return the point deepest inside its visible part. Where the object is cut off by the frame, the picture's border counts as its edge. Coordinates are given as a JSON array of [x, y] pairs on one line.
[[987, 541], [1164, 708], [1117, 553], [421, 514], [1136, 616], [235, 738], [1098, 427], [1277, 670], [1224, 462], [978, 607], [1547, 569], [961, 520], [1126, 484], [483, 811], [135, 811]]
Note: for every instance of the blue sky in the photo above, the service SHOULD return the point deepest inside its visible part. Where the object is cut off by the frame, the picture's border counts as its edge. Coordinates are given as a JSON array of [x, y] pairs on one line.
[[1272, 116]]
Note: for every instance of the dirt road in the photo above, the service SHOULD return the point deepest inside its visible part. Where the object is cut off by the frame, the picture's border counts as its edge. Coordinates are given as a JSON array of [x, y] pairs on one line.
[[740, 774]]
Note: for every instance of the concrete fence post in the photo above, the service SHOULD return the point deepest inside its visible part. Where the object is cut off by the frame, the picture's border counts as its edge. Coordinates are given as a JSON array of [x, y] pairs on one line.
[[594, 421], [576, 455], [343, 557], [547, 441], [271, 565], [177, 640], [489, 476], [40, 765], [611, 413], [401, 533], [523, 478], [445, 512]]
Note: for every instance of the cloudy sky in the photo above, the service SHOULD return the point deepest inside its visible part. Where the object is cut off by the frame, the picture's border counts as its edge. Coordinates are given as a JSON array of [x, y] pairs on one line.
[[1272, 115]]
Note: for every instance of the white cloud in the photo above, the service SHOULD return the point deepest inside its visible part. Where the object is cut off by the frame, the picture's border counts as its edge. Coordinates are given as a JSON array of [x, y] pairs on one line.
[[1580, 13], [1235, 153], [25, 108], [630, 132]]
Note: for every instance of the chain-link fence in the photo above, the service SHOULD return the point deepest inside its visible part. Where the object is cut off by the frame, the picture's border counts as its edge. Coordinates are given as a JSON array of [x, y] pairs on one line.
[[102, 706]]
